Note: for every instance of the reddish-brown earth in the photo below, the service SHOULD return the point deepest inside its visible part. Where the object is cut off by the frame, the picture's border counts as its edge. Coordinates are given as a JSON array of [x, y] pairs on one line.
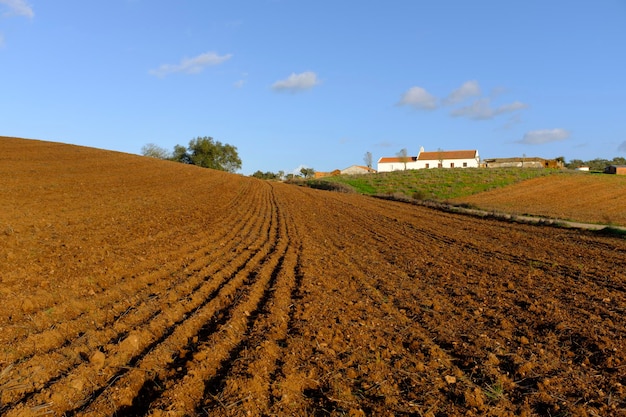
[[132, 286], [589, 198]]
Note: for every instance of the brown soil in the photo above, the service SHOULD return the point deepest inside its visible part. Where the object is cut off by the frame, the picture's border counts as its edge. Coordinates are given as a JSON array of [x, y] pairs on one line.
[[588, 198], [132, 286]]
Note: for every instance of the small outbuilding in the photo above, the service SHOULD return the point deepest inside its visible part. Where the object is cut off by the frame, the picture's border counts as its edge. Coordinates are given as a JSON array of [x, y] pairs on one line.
[[615, 169], [524, 162], [357, 169]]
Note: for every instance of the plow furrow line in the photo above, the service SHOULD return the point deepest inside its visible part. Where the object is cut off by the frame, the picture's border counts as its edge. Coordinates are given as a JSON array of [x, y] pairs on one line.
[[163, 321], [216, 349], [181, 309], [37, 342], [161, 356], [248, 378]]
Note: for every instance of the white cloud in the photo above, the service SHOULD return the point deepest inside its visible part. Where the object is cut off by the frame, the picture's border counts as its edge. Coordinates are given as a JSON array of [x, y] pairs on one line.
[[419, 98], [622, 147], [297, 82], [538, 137], [481, 109], [468, 89], [242, 81], [191, 65], [17, 8]]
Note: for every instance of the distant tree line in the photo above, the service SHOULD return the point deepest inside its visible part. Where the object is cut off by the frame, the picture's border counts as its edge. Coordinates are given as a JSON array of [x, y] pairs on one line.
[[201, 151], [280, 175], [268, 175], [597, 164]]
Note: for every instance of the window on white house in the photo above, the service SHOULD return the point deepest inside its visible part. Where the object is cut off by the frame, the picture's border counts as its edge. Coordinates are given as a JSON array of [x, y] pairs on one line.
[[464, 164], [427, 165], [451, 164]]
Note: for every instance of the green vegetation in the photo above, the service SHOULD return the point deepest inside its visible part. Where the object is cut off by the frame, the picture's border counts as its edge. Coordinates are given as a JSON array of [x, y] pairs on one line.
[[439, 184], [202, 151], [597, 164], [268, 175]]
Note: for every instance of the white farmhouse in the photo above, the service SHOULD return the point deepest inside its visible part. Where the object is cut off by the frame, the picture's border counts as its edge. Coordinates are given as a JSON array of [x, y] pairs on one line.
[[425, 160]]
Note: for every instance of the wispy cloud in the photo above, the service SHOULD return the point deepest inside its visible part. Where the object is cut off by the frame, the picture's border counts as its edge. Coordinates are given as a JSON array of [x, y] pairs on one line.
[[538, 137], [418, 98], [242, 81], [193, 65], [622, 147], [514, 119], [481, 109], [17, 8], [467, 90], [297, 82], [385, 144]]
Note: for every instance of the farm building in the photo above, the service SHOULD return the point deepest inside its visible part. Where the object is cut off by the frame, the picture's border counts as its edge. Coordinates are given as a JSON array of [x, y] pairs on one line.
[[357, 169], [522, 163], [615, 169], [319, 174], [426, 160], [351, 170]]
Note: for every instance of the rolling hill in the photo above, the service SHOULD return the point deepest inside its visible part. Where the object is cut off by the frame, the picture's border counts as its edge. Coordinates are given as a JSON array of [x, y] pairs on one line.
[[131, 286]]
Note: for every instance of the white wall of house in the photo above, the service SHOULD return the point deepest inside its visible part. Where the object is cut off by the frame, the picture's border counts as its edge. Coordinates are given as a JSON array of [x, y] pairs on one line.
[[395, 164], [448, 163]]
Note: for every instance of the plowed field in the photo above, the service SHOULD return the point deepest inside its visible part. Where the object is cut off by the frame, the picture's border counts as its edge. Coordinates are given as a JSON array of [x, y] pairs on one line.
[[132, 286], [589, 198]]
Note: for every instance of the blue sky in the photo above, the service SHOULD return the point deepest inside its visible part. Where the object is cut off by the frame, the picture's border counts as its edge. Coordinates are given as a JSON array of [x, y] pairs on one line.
[[295, 83]]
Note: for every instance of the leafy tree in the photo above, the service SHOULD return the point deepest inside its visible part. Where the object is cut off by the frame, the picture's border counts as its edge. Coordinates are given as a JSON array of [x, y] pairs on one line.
[[180, 154], [618, 160], [155, 151], [597, 164], [574, 163], [307, 172], [208, 153], [266, 175]]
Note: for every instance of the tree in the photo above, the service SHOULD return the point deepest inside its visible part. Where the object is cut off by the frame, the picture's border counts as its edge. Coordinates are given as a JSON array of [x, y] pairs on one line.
[[180, 154], [307, 172], [368, 159], [575, 163], [208, 153], [266, 175], [154, 151], [403, 155]]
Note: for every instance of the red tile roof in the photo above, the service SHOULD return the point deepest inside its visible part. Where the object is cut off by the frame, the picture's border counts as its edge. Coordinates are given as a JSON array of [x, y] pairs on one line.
[[437, 155], [397, 159]]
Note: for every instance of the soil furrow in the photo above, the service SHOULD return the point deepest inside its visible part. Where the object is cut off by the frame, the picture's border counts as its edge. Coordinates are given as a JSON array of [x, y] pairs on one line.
[[87, 342], [178, 310], [214, 349]]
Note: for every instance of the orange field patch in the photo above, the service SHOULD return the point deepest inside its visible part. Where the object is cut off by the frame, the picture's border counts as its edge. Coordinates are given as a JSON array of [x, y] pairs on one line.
[[131, 286], [589, 198]]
